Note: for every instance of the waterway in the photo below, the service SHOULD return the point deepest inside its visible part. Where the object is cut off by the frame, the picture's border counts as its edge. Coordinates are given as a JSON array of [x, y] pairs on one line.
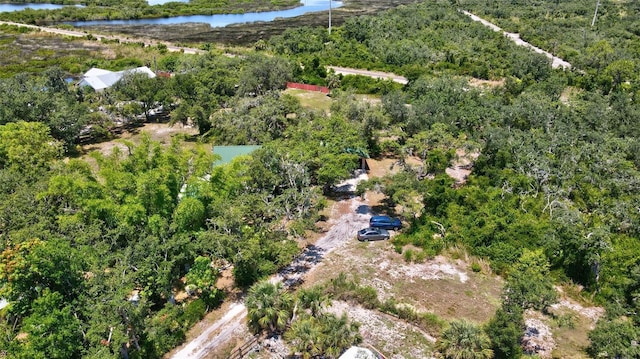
[[221, 20]]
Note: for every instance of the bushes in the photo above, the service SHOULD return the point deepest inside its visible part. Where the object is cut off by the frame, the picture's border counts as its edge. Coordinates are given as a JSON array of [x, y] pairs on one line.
[[427, 321], [349, 290], [368, 85]]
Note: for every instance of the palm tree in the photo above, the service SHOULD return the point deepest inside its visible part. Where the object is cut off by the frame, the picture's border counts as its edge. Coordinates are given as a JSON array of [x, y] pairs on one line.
[[464, 340], [268, 306], [313, 299], [305, 336], [339, 334]]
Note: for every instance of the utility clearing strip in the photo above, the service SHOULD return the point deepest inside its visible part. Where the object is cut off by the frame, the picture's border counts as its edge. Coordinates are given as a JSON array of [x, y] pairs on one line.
[[556, 62]]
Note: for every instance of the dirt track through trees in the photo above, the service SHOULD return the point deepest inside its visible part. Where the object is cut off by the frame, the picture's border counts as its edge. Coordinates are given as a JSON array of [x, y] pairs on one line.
[[347, 217], [556, 62]]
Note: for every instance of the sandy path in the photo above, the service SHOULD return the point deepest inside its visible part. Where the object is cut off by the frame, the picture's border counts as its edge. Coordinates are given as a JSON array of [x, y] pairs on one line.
[[556, 62], [373, 74]]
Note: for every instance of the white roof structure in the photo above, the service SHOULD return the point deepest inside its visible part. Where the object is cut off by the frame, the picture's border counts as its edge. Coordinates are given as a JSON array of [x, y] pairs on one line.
[[358, 353], [100, 79]]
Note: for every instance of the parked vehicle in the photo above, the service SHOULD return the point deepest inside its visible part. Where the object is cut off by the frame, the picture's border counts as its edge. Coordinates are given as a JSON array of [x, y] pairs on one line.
[[385, 222], [373, 234]]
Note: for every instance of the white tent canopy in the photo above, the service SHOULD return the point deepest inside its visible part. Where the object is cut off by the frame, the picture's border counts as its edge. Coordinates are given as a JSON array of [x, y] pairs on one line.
[[100, 79]]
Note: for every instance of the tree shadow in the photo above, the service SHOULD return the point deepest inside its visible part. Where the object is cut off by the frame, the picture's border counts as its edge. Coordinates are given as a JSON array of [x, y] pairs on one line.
[[386, 207], [293, 274], [363, 209]]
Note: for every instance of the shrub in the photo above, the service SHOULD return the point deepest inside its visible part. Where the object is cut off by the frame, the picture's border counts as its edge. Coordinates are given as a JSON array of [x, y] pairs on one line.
[[193, 312], [408, 255]]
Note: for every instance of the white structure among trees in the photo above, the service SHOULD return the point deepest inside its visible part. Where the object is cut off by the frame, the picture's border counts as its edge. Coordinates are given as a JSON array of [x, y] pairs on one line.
[[100, 79]]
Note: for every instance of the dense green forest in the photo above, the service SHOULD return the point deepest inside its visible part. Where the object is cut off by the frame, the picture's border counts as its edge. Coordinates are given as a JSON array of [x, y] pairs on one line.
[[93, 252]]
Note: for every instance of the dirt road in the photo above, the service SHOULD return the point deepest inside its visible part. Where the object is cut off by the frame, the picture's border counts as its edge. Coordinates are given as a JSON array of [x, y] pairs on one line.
[[99, 37], [556, 62], [347, 216], [374, 74]]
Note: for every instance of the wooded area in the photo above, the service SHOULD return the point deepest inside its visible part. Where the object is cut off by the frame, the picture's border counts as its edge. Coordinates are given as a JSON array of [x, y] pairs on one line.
[[95, 252]]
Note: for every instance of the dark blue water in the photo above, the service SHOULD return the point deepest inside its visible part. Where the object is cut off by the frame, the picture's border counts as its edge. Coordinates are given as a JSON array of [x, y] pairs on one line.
[[223, 19]]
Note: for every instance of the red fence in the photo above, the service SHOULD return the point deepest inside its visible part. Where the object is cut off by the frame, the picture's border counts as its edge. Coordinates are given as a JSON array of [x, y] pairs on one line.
[[295, 85]]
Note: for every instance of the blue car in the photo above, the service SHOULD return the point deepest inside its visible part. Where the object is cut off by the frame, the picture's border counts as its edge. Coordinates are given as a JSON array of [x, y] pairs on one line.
[[385, 222]]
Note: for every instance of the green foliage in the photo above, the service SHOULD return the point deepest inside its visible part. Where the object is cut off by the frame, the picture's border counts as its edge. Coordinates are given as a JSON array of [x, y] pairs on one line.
[[553, 191], [343, 289], [313, 299], [427, 321], [614, 339], [463, 339], [28, 269], [262, 74], [193, 312], [475, 267], [44, 98], [203, 276], [505, 330], [52, 330], [165, 330], [269, 307], [27, 147], [189, 215], [529, 284], [325, 334]]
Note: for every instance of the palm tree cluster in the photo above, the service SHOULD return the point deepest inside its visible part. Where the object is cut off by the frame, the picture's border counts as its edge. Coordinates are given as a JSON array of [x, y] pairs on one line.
[[310, 331], [464, 340]]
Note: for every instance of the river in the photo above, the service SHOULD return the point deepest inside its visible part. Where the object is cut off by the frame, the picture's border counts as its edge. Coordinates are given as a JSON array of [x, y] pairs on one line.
[[221, 20], [217, 20]]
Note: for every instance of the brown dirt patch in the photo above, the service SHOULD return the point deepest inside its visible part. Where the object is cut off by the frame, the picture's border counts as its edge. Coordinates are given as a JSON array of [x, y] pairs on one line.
[[159, 132], [225, 281], [486, 84], [462, 166], [441, 285], [568, 94], [382, 167], [385, 332]]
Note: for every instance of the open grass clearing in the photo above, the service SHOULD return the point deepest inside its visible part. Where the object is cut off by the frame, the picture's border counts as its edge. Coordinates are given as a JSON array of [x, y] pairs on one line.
[[440, 286], [311, 99]]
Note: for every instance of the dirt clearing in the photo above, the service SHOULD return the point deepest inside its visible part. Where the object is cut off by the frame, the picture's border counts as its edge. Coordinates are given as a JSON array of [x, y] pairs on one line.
[[385, 332]]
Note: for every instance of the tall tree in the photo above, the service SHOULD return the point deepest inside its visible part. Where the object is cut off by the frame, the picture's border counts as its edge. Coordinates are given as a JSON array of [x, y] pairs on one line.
[[529, 284]]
